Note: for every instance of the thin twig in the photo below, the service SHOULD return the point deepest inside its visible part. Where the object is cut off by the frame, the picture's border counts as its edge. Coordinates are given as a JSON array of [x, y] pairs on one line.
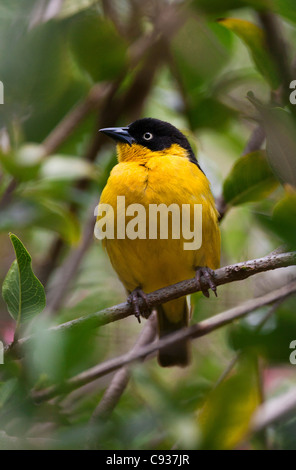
[[195, 331]]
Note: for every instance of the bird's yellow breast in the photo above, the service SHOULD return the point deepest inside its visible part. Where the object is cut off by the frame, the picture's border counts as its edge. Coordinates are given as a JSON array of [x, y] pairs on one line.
[[164, 178]]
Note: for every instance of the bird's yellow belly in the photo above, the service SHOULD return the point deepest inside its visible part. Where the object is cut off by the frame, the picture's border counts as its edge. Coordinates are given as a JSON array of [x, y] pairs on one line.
[[150, 264]]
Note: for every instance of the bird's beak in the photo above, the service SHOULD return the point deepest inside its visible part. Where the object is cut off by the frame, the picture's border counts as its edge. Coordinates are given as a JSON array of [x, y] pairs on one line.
[[119, 134]]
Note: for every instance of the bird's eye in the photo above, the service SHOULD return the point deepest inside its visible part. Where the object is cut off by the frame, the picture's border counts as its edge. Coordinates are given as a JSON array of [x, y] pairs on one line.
[[148, 136]]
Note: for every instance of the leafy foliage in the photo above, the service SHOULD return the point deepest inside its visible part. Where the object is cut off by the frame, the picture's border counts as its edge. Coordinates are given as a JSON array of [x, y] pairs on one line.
[[225, 416], [209, 67], [250, 179], [22, 291], [254, 39]]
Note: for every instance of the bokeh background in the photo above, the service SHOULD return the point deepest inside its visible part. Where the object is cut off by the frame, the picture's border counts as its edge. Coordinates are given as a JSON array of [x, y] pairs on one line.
[[71, 67]]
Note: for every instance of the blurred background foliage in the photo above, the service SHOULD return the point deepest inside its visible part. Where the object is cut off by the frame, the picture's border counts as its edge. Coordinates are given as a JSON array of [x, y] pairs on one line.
[[218, 70]]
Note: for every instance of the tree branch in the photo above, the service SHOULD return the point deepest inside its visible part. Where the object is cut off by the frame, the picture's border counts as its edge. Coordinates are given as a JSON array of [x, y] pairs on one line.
[[195, 331], [225, 275]]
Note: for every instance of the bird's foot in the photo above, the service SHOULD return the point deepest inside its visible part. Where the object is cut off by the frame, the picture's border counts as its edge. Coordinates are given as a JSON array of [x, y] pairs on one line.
[[204, 276], [133, 299]]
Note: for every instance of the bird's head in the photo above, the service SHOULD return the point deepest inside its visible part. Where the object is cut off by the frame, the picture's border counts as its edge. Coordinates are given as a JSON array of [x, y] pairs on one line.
[[147, 138]]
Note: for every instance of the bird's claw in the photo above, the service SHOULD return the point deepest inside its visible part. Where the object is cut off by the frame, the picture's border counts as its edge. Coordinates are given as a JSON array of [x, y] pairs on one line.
[[204, 276], [133, 299]]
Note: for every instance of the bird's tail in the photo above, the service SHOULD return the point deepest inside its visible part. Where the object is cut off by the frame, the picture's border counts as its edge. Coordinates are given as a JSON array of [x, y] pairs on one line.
[[172, 316]]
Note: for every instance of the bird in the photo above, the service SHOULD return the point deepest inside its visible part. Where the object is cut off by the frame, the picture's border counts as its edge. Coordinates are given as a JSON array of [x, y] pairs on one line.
[[156, 165]]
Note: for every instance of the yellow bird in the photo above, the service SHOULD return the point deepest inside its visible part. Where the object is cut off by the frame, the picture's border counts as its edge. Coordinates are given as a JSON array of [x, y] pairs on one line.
[[156, 165]]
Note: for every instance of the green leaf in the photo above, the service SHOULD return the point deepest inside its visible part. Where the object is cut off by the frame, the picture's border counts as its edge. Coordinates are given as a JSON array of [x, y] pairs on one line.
[[200, 61], [286, 8], [251, 179], [90, 38], [6, 390], [43, 209], [284, 218], [254, 39], [209, 112], [271, 340], [225, 416], [31, 82], [40, 123], [280, 132], [55, 216], [24, 164], [22, 291]]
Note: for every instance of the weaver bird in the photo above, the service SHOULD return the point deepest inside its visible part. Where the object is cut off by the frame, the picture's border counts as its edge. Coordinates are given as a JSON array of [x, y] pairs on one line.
[[156, 165]]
